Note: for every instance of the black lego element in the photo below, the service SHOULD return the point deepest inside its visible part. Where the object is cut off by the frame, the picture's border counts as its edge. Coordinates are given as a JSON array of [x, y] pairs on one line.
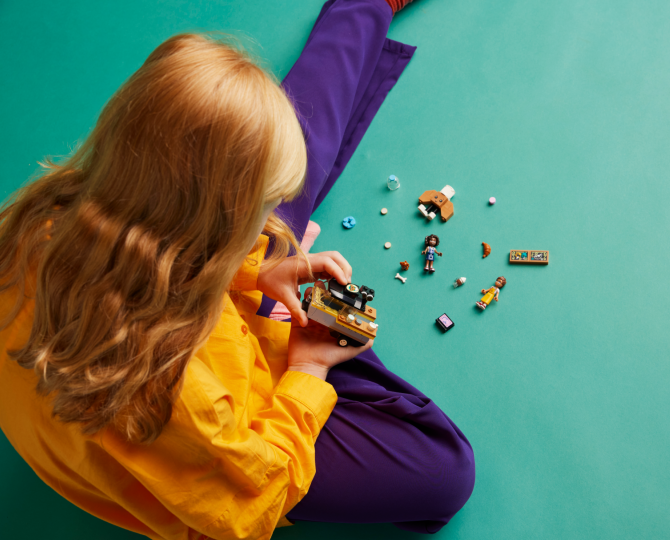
[[444, 322], [351, 294]]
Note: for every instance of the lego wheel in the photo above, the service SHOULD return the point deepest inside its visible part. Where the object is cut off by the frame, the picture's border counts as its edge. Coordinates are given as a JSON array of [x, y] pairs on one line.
[[345, 341]]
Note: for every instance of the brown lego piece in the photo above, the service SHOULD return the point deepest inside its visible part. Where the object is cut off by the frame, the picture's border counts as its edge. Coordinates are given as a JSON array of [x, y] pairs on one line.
[[362, 326], [487, 250], [528, 256], [404, 265], [439, 200]]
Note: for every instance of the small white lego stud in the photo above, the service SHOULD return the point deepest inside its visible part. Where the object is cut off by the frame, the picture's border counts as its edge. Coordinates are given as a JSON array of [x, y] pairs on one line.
[[387, 245], [403, 279], [384, 211], [350, 318], [373, 326]]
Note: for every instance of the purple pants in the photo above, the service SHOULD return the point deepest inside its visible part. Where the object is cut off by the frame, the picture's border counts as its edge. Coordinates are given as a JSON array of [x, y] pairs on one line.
[[387, 453]]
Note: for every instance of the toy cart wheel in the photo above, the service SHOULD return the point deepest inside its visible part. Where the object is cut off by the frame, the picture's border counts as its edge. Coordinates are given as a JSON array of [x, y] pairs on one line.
[[344, 341]]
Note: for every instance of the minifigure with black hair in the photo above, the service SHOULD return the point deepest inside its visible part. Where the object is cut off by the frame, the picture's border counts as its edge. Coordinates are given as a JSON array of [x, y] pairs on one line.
[[431, 242]]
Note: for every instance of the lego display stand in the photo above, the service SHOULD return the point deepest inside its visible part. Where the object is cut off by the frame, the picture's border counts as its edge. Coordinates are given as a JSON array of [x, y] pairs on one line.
[[433, 201]]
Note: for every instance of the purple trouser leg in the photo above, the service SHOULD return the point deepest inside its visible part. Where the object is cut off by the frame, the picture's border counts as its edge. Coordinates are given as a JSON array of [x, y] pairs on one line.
[[387, 453], [345, 71]]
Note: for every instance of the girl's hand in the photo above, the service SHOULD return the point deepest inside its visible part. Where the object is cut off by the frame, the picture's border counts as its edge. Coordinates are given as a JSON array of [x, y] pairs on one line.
[[313, 350], [281, 283]]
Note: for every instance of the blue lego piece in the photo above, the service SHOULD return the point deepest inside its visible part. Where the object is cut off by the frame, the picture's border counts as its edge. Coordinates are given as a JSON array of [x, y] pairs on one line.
[[349, 222]]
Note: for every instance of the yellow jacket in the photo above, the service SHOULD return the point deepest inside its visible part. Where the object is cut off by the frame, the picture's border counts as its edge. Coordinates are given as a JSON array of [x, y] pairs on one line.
[[236, 456]]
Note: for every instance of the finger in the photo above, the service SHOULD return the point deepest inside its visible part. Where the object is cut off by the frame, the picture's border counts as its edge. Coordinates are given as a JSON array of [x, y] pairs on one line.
[[333, 269], [342, 263], [295, 308], [295, 323]]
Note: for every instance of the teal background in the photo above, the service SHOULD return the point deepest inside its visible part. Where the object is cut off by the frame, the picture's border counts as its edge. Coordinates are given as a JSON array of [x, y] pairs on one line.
[[558, 109]]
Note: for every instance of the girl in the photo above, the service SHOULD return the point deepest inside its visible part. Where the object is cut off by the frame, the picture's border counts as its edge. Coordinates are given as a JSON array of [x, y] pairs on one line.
[[431, 242], [138, 380], [491, 294]]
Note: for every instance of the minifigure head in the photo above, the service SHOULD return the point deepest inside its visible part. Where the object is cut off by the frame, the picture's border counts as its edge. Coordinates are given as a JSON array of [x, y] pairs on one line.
[[500, 282], [432, 240]]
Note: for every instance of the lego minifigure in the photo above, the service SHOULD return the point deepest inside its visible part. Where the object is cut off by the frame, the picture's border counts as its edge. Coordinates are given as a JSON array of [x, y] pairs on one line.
[[492, 293], [431, 242]]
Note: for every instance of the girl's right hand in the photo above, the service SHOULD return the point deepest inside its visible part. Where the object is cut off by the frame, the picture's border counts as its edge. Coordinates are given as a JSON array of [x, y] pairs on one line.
[[313, 350]]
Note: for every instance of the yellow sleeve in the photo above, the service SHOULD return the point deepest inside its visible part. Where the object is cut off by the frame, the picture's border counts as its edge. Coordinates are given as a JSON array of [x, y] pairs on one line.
[[231, 479], [246, 278]]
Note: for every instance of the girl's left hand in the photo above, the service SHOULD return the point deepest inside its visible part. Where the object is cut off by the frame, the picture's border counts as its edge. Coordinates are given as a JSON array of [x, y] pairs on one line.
[[281, 283]]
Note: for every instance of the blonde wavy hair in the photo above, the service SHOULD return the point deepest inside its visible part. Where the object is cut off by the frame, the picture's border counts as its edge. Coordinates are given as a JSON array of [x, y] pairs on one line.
[[135, 238]]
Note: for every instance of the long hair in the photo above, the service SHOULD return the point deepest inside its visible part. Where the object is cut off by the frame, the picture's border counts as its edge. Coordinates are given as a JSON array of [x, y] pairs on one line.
[[133, 240]]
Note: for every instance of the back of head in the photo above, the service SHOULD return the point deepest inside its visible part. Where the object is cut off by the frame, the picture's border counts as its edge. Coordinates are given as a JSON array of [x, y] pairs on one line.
[[148, 222]]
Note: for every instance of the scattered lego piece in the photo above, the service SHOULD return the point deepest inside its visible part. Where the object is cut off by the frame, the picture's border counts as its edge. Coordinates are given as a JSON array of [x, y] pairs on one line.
[[432, 201], [492, 201], [487, 250], [404, 265], [527, 256], [491, 294], [387, 245], [349, 222], [384, 211], [403, 279], [393, 183], [444, 322], [459, 282], [431, 242]]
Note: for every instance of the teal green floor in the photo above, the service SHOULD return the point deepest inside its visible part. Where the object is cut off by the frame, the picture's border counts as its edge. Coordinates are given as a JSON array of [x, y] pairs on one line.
[[561, 110]]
